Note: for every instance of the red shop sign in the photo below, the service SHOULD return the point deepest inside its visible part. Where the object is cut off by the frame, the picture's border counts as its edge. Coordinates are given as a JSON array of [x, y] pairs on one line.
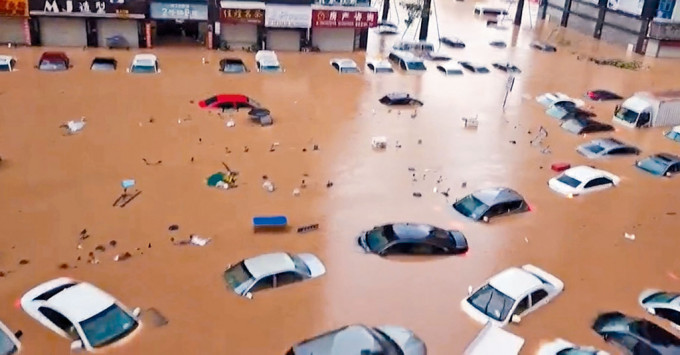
[[344, 19]]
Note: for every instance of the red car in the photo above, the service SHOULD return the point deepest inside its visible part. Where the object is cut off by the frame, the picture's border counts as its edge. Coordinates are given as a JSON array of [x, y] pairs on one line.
[[54, 61], [229, 101]]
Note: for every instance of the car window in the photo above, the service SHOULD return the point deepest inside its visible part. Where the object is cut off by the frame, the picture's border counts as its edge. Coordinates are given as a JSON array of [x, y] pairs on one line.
[[336, 66], [654, 333], [568, 180], [263, 284], [5, 67], [492, 302], [370, 66], [226, 105], [402, 64], [60, 321], [538, 295], [597, 182], [414, 248], [513, 205], [674, 168], [7, 346], [622, 151], [626, 341], [670, 314], [287, 278], [497, 210], [522, 306]]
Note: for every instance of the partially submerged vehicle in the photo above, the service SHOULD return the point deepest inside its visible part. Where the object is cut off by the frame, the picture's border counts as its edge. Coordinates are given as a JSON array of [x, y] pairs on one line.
[[673, 134], [498, 44], [563, 347], [487, 9], [91, 318], [507, 67], [436, 56], [606, 147], [117, 41], [345, 66], [452, 42], [512, 294], [635, 336], [450, 68], [144, 64], [399, 98], [54, 61], [360, 339], [9, 341], [602, 95], [556, 98], [229, 102], [581, 180], [104, 64], [7, 63], [662, 164], [662, 304], [407, 62], [565, 110], [232, 66], [543, 47], [495, 340], [387, 28], [416, 47], [649, 109], [474, 67], [380, 66], [484, 204], [267, 62], [585, 125], [412, 239]]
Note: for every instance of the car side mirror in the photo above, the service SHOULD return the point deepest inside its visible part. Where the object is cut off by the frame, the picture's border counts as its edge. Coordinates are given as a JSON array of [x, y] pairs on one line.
[[19, 334], [77, 346], [515, 318], [249, 295], [136, 312], [485, 219]]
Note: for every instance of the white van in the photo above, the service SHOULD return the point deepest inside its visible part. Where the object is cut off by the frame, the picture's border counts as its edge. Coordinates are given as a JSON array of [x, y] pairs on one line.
[[144, 64], [407, 62]]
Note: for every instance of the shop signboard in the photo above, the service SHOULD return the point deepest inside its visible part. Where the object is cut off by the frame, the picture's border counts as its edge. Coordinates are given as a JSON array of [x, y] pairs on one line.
[[179, 11], [345, 18], [288, 16], [88, 8], [235, 16], [14, 8]]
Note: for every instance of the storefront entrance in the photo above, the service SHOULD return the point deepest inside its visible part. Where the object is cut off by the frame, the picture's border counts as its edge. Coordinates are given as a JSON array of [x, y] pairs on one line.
[[341, 30], [179, 23], [287, 26], [14, 22]]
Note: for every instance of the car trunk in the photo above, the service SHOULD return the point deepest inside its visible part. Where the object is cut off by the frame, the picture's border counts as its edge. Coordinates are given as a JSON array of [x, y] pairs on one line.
[[494, 340]]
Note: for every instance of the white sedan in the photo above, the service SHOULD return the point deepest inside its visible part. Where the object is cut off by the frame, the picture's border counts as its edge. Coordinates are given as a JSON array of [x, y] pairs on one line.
[[9, 342], [450, 68], [267, 61], [345, 66], [662, 304], [581, 180], [79, 311], [563, 347], [511, 294], [551, 98], [380, 66]]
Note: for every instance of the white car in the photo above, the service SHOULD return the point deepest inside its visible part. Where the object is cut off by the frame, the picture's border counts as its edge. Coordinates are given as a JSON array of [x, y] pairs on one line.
[[79, 311], [511, 294], [496, 341], [271, 271], [662, 304], [581, 180], [345, 66], [490, 9], [387, 28], [450, 68], [380, 66], [563, 347], [267, 61], [7, 63], [551, 98], [144, 64], [9, 342]]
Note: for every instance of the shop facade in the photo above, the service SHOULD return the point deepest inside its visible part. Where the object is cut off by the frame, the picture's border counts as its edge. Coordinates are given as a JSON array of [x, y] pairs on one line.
[[241, 24], [341, 29], [14, 22], [287, 25], [84, 23], [179, 21]]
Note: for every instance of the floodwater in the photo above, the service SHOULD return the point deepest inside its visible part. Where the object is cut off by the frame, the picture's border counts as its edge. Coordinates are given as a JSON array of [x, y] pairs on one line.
[[52, 186]]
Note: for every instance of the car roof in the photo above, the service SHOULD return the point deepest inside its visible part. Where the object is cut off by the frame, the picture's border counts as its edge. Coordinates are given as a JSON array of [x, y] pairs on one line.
[[514, 282], [667, 158], [584, 173], [494, 195], [345, 340], [380, 63], [144, 57], [406, 56], [81, 301], [449, 65], [608, 143], [268, 61], [345, 62], [53, 55], [231, 98], [269, 264], [5, 58], [411, 231]]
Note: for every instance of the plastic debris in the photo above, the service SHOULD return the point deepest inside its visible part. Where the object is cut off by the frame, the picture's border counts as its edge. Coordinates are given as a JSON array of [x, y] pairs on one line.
[[268, 185], [199, 241], [74, 126], [417, 194], [308, 228], [296, 192], [629, 236], [379, 142], [231, 123]]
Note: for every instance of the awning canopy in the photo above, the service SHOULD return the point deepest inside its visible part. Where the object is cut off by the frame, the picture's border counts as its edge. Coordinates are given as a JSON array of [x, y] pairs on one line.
[[245, 5]]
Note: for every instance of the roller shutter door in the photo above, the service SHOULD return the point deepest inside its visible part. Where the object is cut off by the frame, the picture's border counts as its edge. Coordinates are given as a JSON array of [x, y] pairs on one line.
[[67, 32], [127, 28], [12, 30], [239, 36], [283, 40], [333, 39]]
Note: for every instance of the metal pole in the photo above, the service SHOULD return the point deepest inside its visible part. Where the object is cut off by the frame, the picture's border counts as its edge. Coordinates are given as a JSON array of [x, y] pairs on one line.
[[602, 5], [642, 36], [543, 10], [565, 13], [518, 13], [385, 10], [425, 19]]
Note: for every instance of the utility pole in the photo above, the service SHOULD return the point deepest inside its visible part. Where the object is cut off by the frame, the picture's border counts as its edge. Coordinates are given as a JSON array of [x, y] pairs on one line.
[[385, 10], [425, 19], [518, 13]]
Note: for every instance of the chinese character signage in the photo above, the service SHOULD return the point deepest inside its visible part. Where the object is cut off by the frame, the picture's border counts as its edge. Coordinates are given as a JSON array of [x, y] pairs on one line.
[[344, 19], [14, 8], [254, 16], [89, 8], [288, 16], [179, 11]]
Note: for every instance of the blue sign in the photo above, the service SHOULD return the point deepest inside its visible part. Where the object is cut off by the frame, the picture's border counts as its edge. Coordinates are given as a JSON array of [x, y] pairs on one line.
[[179, 11]]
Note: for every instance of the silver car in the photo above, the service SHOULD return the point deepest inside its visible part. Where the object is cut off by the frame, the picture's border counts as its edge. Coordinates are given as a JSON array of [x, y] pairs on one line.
[[662, 304], [606, 147]]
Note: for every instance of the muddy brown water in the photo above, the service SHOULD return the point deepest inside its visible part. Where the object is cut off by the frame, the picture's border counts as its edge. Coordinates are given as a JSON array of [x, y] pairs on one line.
[[52, 186]]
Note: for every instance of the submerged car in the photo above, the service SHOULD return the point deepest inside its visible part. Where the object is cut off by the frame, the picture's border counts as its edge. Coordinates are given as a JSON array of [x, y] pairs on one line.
[[490, 9], [267, 62], [581, 180], [229, 101], [7, 63], [450, 68], [345, 66], [144, 64], [512, 294], [117, 41], [413, 239], [359, 339], [673, 134], [474, 67], [493, 202], [54, 61], [387, 28], [380, 66], [606, 147], [436, 56], [498, 44], [563, 347], [662, 164], [79, 311], [542, 46], [635, 336], [408, 62], [602, 95], [452, 42], [399, 99], [584, 125], [271, 271], [662, 304], [233, 66], [507, 67], [104, 64], [564, 110], [9, 342], [557, 98]]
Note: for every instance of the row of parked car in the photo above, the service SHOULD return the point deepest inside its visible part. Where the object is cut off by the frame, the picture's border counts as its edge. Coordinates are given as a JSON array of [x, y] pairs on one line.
[[59, 61]]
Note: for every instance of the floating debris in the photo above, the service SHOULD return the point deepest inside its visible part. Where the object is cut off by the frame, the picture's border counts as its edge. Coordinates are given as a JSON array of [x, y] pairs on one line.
[[617, 63], [417, 194], [23, 261], [173, 227], [122, 257]]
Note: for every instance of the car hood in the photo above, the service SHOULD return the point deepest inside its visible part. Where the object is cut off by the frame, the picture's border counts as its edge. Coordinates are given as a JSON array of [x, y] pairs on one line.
[[478, 316], [316, 267], [646, 293], [554, 347], [408, 342]]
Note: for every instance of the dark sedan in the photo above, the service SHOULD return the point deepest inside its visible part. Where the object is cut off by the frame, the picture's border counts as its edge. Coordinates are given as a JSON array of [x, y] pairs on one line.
[[233, 66], [400, 98], [543, 47], [602, 95], [636, 336], [413, 239], [662, 164], [452, 42], [507, 67], [475, 68], [493, 202], [583, 125]]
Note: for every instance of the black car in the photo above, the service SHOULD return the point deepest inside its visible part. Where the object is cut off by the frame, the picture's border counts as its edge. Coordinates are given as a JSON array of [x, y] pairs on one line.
[[400, 98], [452, 42], [583, 125], [603, 95], [104, 64], [636, 336], [232, 66], [542, 46], [473, 67], [507, 67], [413, 239], [498, 44], [487, 203]]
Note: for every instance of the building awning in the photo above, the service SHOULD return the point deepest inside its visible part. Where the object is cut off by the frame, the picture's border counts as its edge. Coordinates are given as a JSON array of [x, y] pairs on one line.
[[87, 14], [245, 5]]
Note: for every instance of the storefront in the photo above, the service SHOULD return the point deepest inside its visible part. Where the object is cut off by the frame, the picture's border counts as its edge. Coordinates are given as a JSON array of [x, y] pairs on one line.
[[87, 22], [336, 29], [177, 22], [241, 24], [287, 26], [14, 22]]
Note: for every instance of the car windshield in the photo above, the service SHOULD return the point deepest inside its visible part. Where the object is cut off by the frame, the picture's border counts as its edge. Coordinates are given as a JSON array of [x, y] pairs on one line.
[[626, 115], [52, 64], [4, 67], [103, 66], [594, 148], [238, 277], [378, 238], [557, 112], [673, 135], [108, 326], [661, 297], [416, 66], [654, 333], [349, 70], [575, 351], [300, 265], [270, 68], [568, 180], [384, 70], [143, 69], [454, 72], [481, 69], [654, 165], [7, 346], [210, 101], [470, 206], [234, 68], [492, 302], [573, 126]]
